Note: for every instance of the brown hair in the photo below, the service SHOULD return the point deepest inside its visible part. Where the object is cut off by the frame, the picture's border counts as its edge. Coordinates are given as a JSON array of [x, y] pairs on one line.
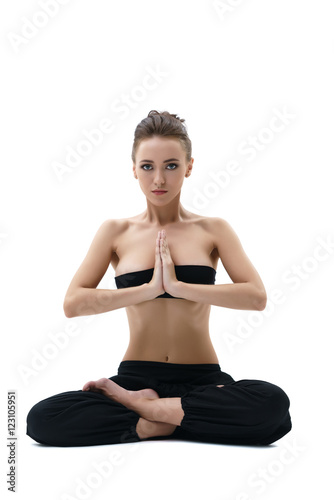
[[162, 124]]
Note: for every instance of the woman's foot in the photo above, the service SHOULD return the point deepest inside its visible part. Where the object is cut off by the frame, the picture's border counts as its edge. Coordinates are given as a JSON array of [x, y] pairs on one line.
[[145, 402], [145, 428], [118, 393]]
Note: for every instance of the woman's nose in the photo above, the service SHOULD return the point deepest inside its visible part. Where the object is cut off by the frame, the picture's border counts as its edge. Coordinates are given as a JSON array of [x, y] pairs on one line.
[[159, 179]]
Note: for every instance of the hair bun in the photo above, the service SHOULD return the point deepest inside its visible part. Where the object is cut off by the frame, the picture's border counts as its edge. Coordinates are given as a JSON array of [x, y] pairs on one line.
[[165, 113]]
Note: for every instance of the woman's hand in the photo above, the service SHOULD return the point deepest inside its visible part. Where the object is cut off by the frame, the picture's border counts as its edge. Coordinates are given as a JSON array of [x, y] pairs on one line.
[[164, 277], [156, 282], [168, 271]]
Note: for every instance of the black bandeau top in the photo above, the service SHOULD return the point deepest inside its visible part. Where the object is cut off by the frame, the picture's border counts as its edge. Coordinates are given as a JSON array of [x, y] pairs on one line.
[[204, 275]]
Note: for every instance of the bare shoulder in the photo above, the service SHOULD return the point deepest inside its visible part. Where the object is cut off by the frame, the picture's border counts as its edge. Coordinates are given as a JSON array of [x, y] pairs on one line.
[[220, 224], [117, 227], [223, 234], [213, 224], [112, 229], [224, 237]]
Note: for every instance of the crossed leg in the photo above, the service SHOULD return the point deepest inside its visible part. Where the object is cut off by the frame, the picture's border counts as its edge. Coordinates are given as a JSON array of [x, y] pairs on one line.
[[159, 416]]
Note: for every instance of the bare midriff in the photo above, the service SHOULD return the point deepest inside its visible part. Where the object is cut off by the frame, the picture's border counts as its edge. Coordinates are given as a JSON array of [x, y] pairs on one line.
[[164, 330], [170, 330]]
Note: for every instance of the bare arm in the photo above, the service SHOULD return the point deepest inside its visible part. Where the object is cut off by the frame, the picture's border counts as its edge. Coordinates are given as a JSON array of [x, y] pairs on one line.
[[231, 295], [82, 298], [247, 290], [87, 301]]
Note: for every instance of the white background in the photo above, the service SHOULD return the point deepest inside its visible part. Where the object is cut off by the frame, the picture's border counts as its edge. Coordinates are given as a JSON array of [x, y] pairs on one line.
[[227, 71]]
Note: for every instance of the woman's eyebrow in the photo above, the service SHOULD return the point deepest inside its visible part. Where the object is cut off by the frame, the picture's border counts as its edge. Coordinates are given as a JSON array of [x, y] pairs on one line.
[[165, 161]]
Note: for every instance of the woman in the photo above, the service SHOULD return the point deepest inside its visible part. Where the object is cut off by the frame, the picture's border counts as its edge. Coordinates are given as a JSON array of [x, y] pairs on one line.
[[169, 383]]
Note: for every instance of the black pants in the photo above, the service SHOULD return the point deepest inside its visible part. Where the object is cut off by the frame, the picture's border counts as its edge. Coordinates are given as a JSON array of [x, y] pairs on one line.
[[249, 412]]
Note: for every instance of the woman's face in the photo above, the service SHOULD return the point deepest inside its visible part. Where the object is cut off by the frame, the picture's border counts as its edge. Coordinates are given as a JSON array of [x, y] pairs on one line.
[[161, 163]]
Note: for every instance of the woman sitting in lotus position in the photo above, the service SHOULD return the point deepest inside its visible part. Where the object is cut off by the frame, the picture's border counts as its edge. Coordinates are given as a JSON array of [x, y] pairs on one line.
[[169, 382]]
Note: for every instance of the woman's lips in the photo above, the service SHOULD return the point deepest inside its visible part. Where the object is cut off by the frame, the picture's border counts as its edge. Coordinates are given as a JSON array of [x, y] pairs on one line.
[[159, 192]]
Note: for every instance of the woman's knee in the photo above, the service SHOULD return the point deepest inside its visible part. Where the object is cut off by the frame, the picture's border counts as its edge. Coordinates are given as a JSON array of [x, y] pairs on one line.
[[279, 399], [33, 417], [36, 422], [266, 402], [275, 404], [271, 413]]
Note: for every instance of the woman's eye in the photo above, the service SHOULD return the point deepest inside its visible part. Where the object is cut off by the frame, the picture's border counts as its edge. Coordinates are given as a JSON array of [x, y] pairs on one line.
[[147, 165]]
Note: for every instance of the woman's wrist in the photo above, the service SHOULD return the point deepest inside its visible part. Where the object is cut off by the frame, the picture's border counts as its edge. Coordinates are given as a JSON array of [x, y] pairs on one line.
[[176, 289], [150, 291]]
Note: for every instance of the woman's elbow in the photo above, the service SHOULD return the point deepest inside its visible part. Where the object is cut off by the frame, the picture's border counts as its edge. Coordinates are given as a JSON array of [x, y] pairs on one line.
[[68, 308], [261, 301]]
